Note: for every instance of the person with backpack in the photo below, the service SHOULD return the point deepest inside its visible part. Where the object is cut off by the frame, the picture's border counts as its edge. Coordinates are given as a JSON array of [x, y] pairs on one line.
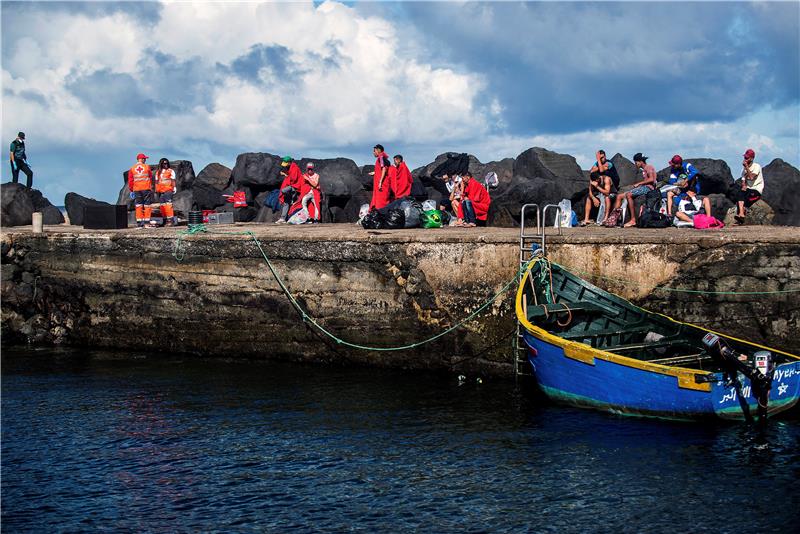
[[752, 185], [647, 184]]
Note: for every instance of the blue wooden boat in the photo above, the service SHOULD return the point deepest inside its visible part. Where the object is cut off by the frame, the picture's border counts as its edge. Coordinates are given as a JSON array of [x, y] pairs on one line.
[[592, 348]]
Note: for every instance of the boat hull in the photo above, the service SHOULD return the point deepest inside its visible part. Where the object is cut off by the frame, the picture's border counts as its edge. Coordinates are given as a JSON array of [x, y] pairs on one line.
[[624, 389]]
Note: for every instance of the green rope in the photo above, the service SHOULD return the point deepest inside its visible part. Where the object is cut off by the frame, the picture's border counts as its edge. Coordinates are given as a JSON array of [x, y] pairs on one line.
[[678, 289], [178, 253]]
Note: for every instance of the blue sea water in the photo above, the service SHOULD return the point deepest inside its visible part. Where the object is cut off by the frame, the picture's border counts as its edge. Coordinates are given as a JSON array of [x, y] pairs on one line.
[[120, 442]]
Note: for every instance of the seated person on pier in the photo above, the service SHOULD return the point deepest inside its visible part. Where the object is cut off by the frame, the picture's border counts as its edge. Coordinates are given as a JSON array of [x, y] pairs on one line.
[[683, 186], [690, 206], [451, 183], [641, 188], [473, 209], [599, 196], [751, 185], [682, 175]]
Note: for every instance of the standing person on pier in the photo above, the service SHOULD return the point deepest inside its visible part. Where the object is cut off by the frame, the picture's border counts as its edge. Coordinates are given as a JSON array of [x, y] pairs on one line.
[[19, 160], [290, 187], [401, 187], [311, 194], [140, 184], [166, 187], [381, 185]]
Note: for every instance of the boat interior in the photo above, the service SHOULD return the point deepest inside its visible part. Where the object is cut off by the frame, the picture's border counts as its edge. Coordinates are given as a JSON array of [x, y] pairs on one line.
[[578, 311]]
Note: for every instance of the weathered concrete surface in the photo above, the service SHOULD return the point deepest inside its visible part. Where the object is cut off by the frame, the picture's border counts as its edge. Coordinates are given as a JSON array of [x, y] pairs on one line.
[[124, 289]]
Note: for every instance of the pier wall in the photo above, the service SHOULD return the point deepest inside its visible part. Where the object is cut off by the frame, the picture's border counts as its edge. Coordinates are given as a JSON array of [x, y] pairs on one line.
[[126, 290]]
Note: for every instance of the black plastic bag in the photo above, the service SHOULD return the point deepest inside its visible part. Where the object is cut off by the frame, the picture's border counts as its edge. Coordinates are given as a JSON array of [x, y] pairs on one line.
[[373, 220], [395, 219]]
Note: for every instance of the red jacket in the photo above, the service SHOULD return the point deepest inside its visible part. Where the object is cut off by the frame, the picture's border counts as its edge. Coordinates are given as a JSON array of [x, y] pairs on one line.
[[293, 178], [383, 196], [317, 191], [480, 199], [402, 181]]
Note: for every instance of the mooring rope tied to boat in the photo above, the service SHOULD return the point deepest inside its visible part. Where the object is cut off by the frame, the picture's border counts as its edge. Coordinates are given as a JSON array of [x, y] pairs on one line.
[[677, 289], [179, 253]]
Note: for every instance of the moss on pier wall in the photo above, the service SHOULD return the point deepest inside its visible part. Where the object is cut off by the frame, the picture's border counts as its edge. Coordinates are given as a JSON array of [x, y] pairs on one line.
[[126, 290]]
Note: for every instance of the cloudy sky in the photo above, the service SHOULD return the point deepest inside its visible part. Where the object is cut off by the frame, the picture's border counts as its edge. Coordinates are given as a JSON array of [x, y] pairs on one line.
[[92, 84]]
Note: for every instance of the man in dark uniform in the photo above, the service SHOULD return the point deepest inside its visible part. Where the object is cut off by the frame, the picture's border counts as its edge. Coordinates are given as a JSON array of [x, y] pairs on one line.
[[19, 161]]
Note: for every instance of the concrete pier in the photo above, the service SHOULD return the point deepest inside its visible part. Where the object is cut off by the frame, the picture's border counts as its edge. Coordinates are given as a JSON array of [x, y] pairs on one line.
[[124, 289]]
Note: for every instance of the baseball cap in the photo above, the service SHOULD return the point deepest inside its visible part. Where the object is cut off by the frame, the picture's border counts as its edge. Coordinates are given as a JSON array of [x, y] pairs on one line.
[[676, 160], [309, 165], [21, 135], [638, 157], [749, 153], [140, 156]]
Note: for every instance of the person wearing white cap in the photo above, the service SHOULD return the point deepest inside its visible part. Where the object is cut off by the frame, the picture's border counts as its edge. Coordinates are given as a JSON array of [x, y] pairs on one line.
[[310, 193]]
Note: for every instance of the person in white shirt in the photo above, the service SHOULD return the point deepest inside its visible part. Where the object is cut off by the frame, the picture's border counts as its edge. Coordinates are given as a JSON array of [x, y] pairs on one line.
[[751, 186]]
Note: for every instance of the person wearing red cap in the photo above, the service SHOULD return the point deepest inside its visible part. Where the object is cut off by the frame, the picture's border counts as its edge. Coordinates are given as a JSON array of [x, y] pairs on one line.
[[381, 186], [401, 187], [140, 184], [683, 175], [311, 193], [751, 186]]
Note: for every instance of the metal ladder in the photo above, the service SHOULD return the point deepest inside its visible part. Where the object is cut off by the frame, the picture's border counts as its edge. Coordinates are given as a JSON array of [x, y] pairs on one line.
[[526, 251]]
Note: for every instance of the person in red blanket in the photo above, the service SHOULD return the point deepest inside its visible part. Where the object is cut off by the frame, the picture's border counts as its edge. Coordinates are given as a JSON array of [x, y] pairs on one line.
[[401, 187], [381, 183], [290, 187], [474, 207], [311, 193]]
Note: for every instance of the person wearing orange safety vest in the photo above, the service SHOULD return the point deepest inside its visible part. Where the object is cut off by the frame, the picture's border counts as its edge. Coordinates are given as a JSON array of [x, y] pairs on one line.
[[401, 186], [381, 184], [140, 184], [166, 187]]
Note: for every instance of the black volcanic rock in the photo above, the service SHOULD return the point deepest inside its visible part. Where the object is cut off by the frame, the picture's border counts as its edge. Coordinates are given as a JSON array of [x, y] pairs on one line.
[[257, 169], [75, 204], [17, 206], [207, 197], [214, 175], [339, 177], [782, 192], [626, 169], [366, 178], [183, 203], [548, 165]]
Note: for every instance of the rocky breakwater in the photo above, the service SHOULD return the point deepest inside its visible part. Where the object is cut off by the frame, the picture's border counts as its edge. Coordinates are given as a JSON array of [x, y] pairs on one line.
[[20, 203]]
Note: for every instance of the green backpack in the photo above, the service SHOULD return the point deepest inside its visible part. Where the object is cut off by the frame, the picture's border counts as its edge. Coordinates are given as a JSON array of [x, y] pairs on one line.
[[431, 219]]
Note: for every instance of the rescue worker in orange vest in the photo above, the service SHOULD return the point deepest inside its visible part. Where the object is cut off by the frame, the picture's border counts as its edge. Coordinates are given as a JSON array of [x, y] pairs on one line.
[[140, 184], [401, 187], [381, 185], [166, 187]]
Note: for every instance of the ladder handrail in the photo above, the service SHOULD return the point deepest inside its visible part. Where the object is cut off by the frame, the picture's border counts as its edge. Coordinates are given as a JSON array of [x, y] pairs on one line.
[[544, 221], [526, 207]]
